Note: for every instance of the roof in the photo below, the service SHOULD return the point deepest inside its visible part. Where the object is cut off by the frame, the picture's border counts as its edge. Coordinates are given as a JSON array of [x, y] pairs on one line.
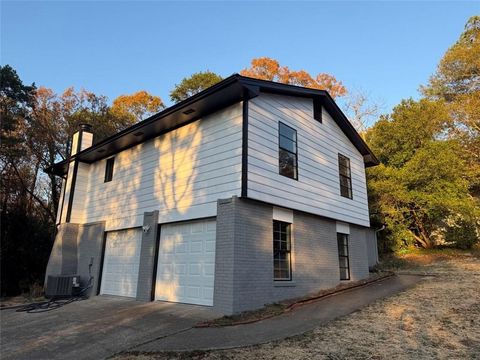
[[229, 91]]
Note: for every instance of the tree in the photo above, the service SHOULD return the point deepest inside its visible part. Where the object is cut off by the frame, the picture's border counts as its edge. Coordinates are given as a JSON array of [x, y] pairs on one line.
[[36, 127], [136, 107], [457, 82], [194, 84], [269, 69], [395, 138], [361, 110], [419, 190], [25, 228]]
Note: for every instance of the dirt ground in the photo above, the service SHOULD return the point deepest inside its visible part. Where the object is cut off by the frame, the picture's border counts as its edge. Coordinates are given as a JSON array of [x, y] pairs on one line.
[[438, 319]]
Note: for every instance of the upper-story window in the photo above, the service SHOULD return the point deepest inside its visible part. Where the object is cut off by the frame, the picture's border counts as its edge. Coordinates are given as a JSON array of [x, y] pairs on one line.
[[345, 176], [109, 169], [287, 151]]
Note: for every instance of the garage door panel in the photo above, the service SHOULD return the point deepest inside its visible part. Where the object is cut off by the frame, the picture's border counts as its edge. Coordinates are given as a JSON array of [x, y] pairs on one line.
[[188, 250], [121, 263]]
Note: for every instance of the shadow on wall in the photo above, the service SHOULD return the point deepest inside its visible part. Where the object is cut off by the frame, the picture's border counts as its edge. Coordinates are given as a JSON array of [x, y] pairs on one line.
[[177, 168], [174, 178], [159, 174]]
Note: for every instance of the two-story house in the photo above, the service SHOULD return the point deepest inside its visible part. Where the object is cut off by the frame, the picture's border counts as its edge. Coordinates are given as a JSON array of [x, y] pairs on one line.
[[247, 193]]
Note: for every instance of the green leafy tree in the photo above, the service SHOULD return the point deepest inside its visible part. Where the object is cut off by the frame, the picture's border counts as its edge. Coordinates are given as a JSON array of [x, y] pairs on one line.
[[395, 137], [457, 82], [419, 191], [194, 84]]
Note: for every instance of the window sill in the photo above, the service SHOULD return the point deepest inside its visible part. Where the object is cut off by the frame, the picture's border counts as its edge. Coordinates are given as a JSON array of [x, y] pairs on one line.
[[286, 283]]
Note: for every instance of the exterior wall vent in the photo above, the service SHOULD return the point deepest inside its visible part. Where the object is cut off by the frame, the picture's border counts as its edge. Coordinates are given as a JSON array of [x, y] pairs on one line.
[[189, 111]]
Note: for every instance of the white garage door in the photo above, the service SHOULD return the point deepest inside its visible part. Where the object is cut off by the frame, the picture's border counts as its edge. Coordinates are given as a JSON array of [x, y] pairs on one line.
[[186, 262], [121, 263]]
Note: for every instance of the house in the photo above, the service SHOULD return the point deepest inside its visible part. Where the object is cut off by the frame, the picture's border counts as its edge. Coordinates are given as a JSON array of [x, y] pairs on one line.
[[247, 193]]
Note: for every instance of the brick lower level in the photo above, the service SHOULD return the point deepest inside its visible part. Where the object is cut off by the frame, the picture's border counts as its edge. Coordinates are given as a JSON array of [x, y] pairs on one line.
[[243, 257]]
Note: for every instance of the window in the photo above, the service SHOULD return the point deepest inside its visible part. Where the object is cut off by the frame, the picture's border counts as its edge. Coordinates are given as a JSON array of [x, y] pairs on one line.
[[287, 151], [282, 269], [342, 240], [109, 169], [345, 176]]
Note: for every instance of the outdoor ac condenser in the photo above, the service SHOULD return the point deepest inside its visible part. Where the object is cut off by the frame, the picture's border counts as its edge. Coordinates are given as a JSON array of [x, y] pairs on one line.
[[61, 285]]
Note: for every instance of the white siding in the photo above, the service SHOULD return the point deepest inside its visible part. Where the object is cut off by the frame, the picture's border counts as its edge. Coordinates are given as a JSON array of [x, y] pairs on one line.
[[317, 190], [87, 140], [181, 173], [80, 194]]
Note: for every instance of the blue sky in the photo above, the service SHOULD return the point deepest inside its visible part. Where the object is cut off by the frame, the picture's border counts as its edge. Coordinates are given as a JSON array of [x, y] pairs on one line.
[[113, 48]]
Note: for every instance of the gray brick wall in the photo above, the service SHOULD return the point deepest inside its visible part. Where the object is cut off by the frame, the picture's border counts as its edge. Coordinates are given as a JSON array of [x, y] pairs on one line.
[[358, 253], [224, 251], [90, 243], [54, 265], [63, 257], [69, 235], [74, 248], [245, 255], [147, 256]]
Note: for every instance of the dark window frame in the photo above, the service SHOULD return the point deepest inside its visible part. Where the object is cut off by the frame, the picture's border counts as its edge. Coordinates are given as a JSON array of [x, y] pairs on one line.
[[344, 238], [109, 165], [277, 251], [345, 174], [280, 149]]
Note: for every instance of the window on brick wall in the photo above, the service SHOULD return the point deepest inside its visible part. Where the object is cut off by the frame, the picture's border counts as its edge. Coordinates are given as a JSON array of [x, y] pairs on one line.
[[343, 260], [282, 264]]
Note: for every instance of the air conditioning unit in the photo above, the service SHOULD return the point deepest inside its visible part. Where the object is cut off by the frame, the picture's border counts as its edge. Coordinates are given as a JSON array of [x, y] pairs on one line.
[[59, 286]]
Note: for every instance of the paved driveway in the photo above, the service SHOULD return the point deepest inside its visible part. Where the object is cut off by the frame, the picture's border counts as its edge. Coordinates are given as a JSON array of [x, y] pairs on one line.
[[94, 328]]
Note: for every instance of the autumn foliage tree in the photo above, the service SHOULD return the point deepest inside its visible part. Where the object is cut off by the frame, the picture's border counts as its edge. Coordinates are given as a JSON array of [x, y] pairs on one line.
[[270, 69], [136, 107], [37, 125]]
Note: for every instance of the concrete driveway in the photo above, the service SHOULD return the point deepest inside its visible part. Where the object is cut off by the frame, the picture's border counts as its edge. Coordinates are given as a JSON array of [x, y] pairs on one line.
[[94, 328]]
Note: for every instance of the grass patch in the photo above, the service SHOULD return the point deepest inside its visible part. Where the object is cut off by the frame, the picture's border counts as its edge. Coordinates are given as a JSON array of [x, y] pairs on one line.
[[421, 260]]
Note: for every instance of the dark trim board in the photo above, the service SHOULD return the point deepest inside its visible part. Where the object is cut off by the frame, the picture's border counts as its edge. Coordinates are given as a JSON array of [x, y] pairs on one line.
[[71, 193], [155, 262], [188, 220], [244, 191], [102, 259]]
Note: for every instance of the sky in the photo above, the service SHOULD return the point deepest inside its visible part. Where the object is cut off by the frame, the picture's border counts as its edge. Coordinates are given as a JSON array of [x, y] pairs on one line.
[[387, 49]]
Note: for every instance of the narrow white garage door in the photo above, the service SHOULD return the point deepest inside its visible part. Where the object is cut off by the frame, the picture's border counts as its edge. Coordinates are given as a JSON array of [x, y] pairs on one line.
[[186, 262], [121, 263]]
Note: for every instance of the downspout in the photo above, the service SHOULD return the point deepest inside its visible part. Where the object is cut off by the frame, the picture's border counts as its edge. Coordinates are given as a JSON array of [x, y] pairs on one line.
[[376, 237]]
